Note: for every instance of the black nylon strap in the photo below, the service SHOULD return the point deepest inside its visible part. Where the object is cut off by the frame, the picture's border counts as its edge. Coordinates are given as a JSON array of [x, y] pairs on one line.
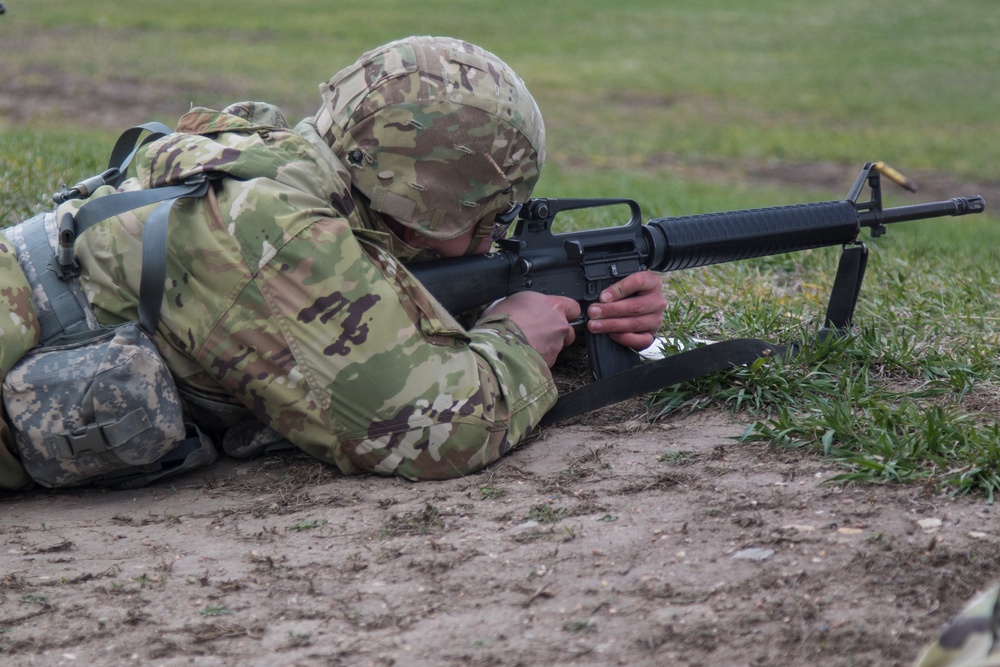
[[154, 248], [152, 283], [126, 147], [96, 210], [657, 375]]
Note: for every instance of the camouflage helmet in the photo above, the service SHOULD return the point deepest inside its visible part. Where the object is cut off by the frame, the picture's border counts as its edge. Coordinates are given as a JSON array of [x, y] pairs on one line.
[[439, 134]]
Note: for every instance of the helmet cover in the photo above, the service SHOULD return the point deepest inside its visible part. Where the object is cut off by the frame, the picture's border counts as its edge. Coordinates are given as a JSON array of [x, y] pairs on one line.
[[438, 134]]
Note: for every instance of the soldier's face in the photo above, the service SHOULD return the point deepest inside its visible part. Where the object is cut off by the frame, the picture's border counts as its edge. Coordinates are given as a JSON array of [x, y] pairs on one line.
[[455, 247]]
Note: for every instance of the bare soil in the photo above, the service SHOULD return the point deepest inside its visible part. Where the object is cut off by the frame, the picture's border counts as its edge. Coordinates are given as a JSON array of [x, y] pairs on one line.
[[605, 541], [611, 541]]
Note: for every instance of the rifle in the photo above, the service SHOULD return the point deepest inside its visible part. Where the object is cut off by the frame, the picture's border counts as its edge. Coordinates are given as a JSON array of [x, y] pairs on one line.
[[581, 264]]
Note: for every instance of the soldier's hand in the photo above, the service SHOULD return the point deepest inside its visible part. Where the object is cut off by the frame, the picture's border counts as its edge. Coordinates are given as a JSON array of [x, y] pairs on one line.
[[631, 310], [544, 320]]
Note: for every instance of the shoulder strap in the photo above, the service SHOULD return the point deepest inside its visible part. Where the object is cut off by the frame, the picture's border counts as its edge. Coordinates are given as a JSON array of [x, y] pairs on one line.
[[154, 237], [154, 252], [67, 319], [122, 155], [128, 145]]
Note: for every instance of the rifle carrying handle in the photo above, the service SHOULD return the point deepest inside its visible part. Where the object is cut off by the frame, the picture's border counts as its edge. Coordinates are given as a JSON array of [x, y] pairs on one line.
[[607, 357]]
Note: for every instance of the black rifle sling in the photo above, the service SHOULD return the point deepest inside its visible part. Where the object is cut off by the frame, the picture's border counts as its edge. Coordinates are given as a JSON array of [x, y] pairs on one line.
[[691, 364], [656, 375]]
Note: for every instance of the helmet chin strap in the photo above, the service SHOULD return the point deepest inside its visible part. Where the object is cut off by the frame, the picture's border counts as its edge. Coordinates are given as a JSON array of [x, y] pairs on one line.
[[482, 231], [499, 214]]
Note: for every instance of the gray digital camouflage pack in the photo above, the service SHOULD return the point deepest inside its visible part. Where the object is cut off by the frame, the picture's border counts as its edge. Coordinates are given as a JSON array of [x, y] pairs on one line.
[[92, 404]]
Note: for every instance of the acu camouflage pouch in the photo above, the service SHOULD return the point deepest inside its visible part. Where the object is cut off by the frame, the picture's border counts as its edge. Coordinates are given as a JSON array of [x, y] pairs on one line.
[[103, 409]]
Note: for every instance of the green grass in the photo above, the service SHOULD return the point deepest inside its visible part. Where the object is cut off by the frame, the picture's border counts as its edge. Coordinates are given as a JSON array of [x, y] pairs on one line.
[[914, 84], [36, 163], [667, 102], [910, 395]]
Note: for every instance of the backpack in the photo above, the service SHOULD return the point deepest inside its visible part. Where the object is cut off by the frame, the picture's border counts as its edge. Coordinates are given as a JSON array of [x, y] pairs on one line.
[[93, 403]]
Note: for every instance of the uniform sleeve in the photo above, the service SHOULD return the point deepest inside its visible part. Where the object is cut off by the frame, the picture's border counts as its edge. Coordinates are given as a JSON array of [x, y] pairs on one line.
[[970, 640], [340, 350]]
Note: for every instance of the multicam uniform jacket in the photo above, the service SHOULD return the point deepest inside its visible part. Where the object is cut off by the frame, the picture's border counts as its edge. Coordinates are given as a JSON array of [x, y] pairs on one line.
[[283, 295], [971, 639], [19, 332]]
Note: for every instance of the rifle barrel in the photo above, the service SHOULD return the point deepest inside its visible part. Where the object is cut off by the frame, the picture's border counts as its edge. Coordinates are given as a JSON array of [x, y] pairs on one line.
[[937, 209], [712, 238]]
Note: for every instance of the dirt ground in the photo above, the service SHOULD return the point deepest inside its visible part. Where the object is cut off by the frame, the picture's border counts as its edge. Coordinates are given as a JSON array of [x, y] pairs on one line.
[[606, 541]]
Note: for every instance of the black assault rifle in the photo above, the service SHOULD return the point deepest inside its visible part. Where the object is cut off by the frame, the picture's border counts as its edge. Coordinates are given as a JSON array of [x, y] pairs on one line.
[[581, 264]]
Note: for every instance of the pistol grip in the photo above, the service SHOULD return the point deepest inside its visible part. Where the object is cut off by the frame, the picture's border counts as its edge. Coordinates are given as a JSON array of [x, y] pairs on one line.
[[607, 357]]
